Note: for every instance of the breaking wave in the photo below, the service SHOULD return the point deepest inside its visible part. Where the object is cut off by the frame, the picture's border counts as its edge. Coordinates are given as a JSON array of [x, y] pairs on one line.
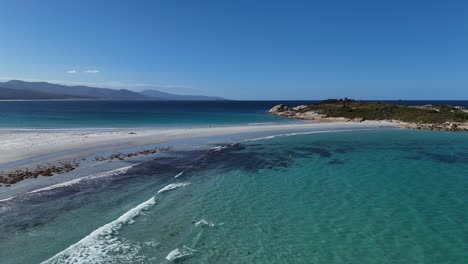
[[204, 222], [304, 133], [75, 181], [173, 186], [181, 253], [91, 177], [219, 148], [95, 247], [101, 245], [178, 175]]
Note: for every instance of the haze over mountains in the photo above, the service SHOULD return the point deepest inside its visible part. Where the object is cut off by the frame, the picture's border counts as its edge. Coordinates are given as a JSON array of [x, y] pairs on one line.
[[16, 89]]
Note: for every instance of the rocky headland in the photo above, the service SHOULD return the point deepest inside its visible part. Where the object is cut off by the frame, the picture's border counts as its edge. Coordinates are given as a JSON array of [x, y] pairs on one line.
[[427, 117]]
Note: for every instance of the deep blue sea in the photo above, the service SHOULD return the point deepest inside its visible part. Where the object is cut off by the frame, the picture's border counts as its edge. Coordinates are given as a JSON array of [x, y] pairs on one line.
[[119, 114]]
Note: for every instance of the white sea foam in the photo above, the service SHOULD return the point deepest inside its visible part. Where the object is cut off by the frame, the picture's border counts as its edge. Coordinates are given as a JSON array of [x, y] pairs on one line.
[[75, 181], [173, 186], [178, 175], [218, 148], [152, 243], [181, 253], [100, 246], [96, 176], [305, 133], [204, 222], [7, 199]]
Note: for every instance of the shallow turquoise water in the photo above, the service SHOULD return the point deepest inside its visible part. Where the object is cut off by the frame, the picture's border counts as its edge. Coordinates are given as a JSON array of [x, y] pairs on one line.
[[385, 196]]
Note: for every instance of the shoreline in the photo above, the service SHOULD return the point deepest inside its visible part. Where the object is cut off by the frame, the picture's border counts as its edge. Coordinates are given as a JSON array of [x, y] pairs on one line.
[[30, 144], [33, 149]]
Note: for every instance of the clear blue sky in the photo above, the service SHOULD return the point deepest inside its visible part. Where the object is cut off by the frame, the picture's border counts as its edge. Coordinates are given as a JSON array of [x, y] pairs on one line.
[[243, 49]]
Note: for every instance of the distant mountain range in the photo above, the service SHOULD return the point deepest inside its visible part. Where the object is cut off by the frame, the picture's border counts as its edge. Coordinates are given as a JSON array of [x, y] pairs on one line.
[[168, 96], [16, 89]]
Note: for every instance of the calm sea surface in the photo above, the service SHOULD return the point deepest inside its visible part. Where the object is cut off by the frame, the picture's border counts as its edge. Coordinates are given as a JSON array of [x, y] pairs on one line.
[[381, 196], [120, 114]]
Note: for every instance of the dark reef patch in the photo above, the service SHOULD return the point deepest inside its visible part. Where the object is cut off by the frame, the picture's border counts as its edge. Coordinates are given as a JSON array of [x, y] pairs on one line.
[[252, 158], [344, 149], [322, 152], [443, 158], [414, 157], [247, 157], [336, 162], [227, 157], [439, 157]]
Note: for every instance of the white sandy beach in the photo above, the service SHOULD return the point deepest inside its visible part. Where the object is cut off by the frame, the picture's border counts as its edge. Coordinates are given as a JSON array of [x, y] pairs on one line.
[[22, 144]]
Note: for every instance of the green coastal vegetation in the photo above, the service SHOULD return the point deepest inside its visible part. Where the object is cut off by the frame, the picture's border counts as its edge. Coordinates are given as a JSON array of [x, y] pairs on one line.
[[349, 108]]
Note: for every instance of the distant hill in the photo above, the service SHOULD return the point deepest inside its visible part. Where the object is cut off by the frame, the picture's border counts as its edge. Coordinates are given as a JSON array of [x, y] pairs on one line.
[[167, 96], [11, 94], [17, 89], [73, 91]]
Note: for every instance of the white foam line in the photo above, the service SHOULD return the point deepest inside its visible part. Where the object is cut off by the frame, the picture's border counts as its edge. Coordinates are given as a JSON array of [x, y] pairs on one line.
[[178, 175], [306, 133], [8, 199], [204, 222], [173, 186], [81, 129], [218, 148], [184, 252], [75, 181]]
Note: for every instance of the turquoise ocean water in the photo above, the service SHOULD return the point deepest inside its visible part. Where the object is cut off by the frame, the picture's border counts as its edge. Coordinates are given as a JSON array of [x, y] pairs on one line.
[[380, 196]]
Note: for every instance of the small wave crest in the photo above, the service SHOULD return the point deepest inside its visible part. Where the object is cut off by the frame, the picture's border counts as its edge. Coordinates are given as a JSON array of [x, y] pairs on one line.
[[204, 222], [75, 181], [173, 186], [219, 148], [178, 175], [304, 133], [181, 253], [96, 176]]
